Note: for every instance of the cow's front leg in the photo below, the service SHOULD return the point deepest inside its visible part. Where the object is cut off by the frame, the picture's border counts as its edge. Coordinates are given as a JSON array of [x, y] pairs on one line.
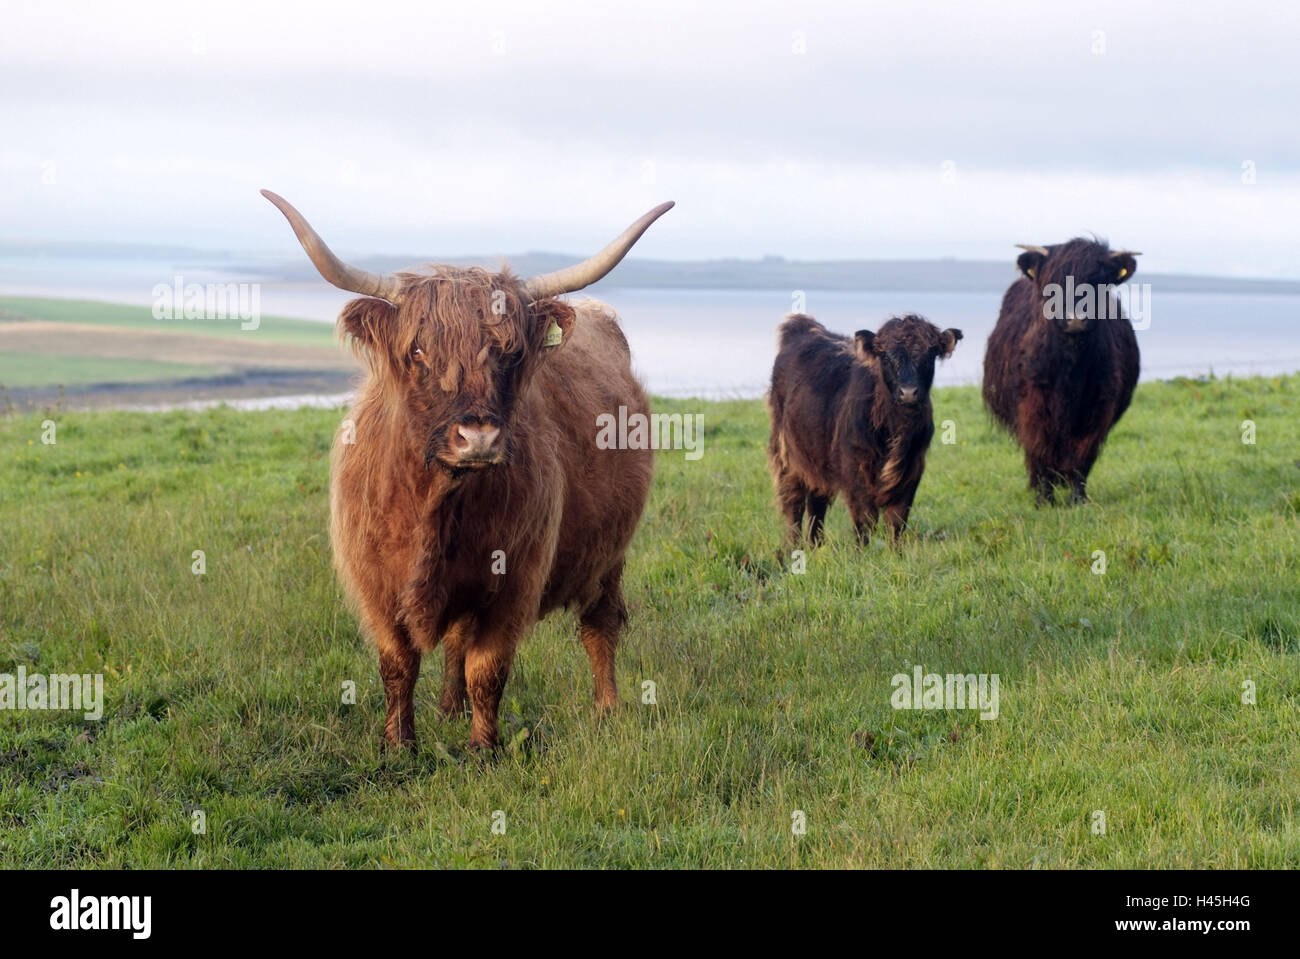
[[896, 513], [399, 667], [1040, 483], [793, 497], [817, 506], [487, 667], [455, 696], [864, 513], [1078, 476], [896, 518], [1078, 489]]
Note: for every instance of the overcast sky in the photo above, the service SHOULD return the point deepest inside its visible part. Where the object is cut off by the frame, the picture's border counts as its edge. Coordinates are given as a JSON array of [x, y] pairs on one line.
[[808, 130]]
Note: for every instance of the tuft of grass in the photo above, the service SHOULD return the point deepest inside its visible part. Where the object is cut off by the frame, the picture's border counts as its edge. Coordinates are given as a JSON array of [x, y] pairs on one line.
[[1163, 693]]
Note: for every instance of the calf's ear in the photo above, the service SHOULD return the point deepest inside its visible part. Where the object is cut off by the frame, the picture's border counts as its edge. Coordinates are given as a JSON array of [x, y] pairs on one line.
[[556, 319], [1125, 264], [862, 340], [1029, 262], [948, 338], [366, 322]]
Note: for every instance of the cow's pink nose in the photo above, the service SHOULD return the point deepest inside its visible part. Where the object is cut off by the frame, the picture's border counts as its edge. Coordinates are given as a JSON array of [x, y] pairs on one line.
[[475, 441]]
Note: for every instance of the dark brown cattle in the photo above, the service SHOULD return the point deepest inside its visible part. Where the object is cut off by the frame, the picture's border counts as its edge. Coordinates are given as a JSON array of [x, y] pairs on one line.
[[852, 416], [1062, 362], [467, 495]]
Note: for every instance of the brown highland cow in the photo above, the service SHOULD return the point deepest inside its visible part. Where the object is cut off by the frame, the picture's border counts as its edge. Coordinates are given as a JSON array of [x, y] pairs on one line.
[[1062, 362], [467, 496], [852, 416]]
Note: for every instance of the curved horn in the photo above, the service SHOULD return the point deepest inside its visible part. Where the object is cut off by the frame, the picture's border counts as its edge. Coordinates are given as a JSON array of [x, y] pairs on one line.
[[574, 278], [1032, 249], [1126, 253], [353, 279]]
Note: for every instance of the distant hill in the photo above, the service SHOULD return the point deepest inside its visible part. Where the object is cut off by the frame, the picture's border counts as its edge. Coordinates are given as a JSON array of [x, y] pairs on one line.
[[772, 272], [777, 273]]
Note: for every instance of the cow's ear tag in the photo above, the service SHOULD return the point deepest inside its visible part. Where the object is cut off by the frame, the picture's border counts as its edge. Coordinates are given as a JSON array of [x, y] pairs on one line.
[[1123, 272], [554, 335]]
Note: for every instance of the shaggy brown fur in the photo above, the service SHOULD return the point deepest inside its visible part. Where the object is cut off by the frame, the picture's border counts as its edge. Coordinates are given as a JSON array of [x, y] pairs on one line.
[[1059, 383], [417, 523], [852, 416]]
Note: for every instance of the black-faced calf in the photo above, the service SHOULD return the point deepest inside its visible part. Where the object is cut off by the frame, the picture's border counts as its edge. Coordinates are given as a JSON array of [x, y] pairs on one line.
[[852, 416]]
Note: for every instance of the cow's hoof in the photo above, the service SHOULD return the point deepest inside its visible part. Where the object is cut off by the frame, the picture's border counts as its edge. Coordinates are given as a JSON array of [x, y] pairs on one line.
[[399, 747], [453, 710]]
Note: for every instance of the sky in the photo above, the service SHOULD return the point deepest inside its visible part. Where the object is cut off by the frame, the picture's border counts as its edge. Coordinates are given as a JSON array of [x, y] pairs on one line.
[[805, 130]]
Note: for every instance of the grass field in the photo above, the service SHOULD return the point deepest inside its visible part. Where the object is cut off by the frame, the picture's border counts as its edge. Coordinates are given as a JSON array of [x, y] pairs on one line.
[[85, 354], [41, 369], [1120, 693], [270, 329]]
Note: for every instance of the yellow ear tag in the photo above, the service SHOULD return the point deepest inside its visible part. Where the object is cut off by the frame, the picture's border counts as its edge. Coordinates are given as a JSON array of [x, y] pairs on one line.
[[554, 335], [1123, 272], [1030, 271]]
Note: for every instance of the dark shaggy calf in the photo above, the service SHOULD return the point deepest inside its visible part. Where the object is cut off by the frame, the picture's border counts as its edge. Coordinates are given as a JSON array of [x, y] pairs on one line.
[[852, 416], [1062, 362]]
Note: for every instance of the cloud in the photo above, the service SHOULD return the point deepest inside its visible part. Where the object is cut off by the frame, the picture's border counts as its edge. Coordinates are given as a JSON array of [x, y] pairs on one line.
[[803, 130]]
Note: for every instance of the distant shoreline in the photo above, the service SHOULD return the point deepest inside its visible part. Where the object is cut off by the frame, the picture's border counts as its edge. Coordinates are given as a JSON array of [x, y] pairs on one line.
[[767, 273], [83, 354]]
